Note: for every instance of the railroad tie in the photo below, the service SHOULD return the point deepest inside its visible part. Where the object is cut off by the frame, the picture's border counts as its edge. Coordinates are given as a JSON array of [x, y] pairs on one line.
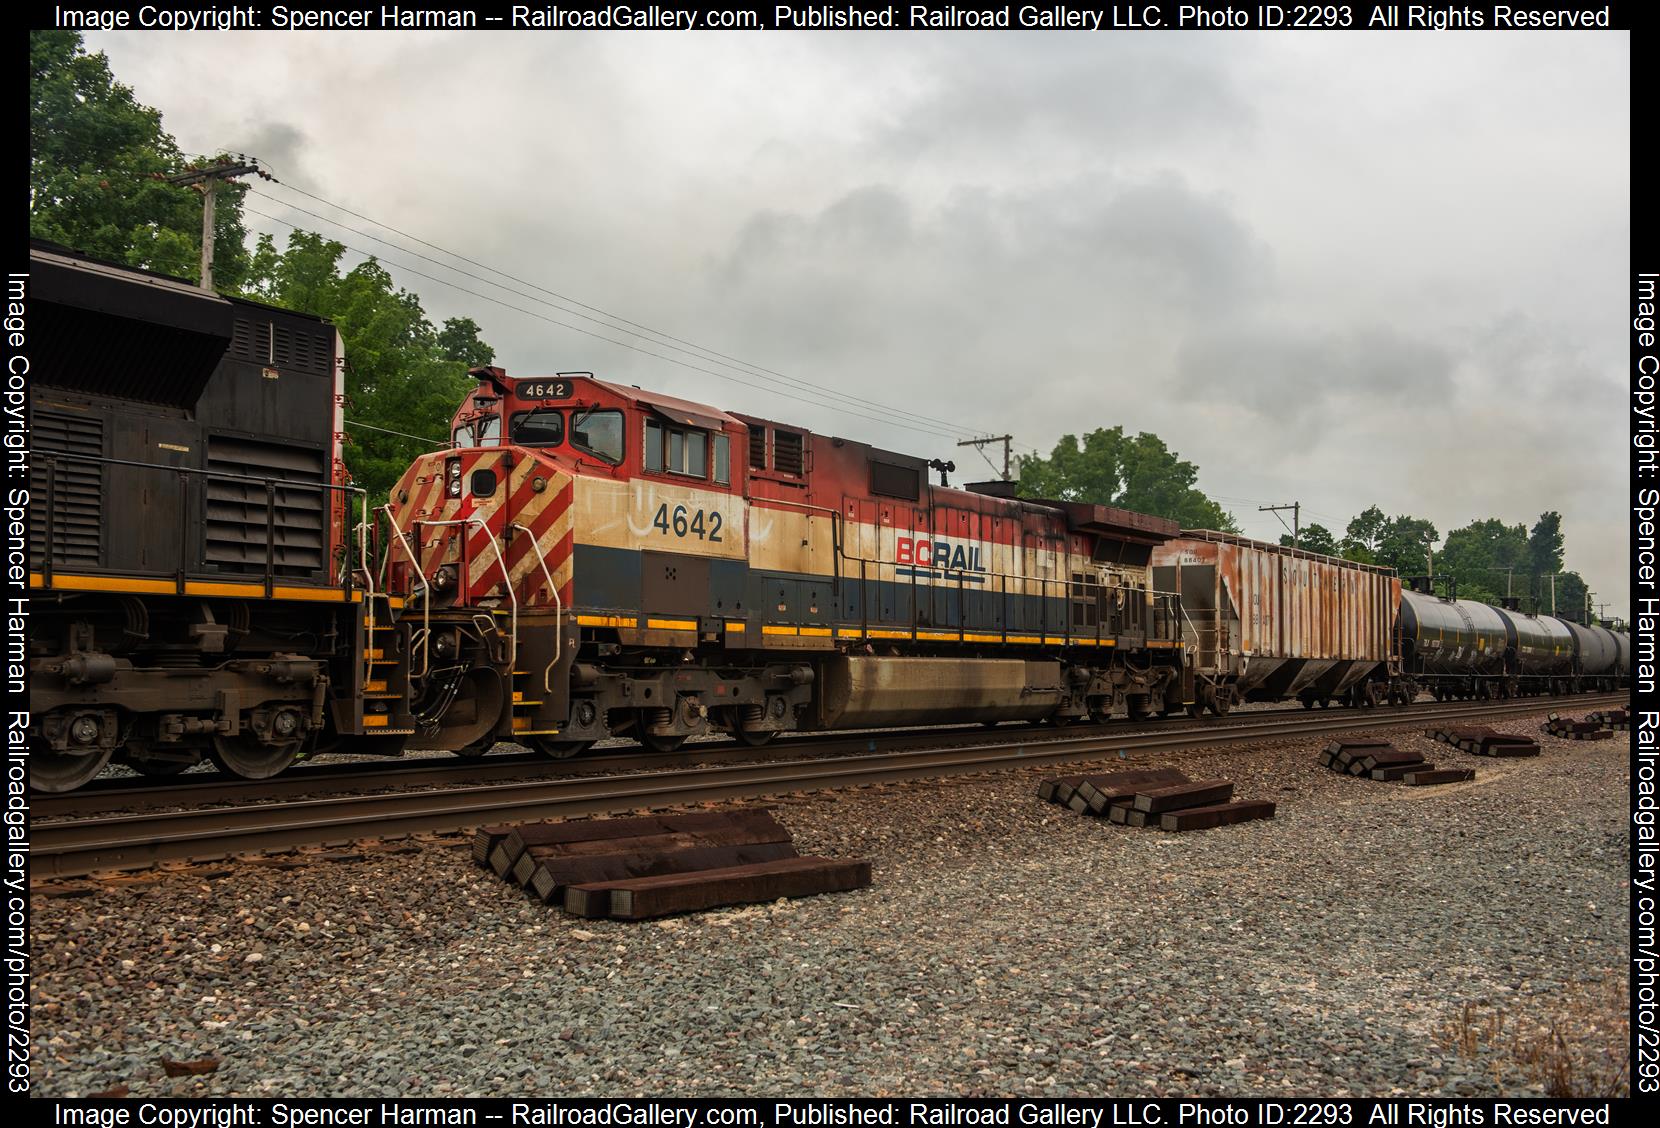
[[1157, 800], [556, 833], [642, 898], [553, 875]]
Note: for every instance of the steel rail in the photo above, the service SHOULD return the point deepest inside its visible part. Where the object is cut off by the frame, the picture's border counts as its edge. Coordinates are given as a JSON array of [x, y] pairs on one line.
[[76, 848], [140, 793], [132, 794]]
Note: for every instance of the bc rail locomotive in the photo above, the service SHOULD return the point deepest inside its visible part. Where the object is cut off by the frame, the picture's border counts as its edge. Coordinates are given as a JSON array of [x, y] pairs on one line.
[[587, 559]]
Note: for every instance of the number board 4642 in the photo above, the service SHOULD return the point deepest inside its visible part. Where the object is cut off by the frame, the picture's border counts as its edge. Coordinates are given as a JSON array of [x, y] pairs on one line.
[[544, 389]]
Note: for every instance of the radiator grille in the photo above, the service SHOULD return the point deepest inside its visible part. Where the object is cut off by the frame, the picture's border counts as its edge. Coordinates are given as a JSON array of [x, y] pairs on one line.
[[76, 491], [787, 447], [281, 346], [236, 515]]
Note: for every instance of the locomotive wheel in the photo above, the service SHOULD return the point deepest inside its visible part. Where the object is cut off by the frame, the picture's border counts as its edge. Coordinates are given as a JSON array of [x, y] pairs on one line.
[[54, 771], [653, 743], [560, 749], [1219, 704], [247, 756], [757, 738], [370, 745], [1308, 702], [159, 769], [1325, 703], [1137, 708], [476, 750]]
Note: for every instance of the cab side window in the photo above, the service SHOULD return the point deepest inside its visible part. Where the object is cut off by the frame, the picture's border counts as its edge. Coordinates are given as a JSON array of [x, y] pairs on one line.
[[599, 432], [482, 431]]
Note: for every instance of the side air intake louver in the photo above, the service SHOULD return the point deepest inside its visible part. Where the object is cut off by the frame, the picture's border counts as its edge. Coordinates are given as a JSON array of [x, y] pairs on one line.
[[291, 350], [787, 456], [236, 511], [73, 497]]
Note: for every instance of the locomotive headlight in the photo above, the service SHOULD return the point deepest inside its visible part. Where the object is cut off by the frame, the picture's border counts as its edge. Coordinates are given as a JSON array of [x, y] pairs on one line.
[[452, 477]]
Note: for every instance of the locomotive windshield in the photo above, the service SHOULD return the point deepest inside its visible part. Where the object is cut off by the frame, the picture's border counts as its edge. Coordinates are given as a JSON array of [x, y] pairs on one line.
[[540, 428]]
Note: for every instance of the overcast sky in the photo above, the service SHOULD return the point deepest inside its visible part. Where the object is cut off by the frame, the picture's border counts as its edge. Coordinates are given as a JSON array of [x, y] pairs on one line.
[[1342, 269]]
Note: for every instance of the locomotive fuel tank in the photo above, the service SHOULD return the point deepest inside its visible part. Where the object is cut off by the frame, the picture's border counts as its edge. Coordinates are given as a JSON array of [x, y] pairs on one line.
[[1543, 644], [1456, 637], [867, 692], [1596, 648]]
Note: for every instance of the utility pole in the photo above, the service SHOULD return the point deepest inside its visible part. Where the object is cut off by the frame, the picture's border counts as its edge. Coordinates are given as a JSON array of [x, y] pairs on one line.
[[1008, 449], [1296, 508], [206, 181]]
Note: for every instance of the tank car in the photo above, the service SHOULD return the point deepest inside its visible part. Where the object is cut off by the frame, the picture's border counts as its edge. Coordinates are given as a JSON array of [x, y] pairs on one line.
[[592, 559], [191, 591]]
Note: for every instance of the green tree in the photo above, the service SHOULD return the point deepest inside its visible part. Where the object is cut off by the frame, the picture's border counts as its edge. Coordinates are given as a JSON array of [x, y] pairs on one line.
[[1314, 538], [95, 157], [400, 379], [1544, 557], [1571, 593], [1405, 543], [1488, 558], [1111, 468], [1363, 535], [459, 340]]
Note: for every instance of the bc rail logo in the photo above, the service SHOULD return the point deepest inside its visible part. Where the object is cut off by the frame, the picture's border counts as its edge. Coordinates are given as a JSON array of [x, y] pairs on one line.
[[923, 559]]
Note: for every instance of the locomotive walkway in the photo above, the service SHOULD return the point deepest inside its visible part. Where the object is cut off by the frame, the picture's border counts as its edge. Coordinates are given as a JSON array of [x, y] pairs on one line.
[[76, 847]]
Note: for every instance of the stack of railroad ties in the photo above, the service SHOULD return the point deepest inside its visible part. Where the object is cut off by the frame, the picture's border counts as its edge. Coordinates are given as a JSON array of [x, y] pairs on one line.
[[1163, 798], [1381, 760], [657, 865], [1601, 725]]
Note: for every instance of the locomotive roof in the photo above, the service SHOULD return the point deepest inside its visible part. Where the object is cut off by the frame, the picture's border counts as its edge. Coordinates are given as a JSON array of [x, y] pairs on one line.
[[671, 407]]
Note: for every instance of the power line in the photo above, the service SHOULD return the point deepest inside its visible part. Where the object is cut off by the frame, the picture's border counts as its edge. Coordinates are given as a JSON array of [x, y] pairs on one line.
[[691, 348], [622, 344], [400, 434]]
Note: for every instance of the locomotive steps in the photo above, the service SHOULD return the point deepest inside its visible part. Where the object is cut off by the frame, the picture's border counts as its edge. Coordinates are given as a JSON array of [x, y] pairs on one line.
[[76, 847]]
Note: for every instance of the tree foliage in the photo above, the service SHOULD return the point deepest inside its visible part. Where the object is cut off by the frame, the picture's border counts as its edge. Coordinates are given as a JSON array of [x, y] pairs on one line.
[[402, 374], [1313, 538], [1489, 558], [1109, 467], [95, 154]]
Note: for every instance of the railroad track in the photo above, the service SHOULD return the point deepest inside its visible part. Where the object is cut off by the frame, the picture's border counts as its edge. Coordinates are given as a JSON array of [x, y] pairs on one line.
[[78, 847], [135, 794]]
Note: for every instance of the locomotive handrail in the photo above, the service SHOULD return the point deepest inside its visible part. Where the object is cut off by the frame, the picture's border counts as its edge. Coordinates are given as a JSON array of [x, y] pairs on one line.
[[507, 579], [368, 591], [426, 589], [558, 606]]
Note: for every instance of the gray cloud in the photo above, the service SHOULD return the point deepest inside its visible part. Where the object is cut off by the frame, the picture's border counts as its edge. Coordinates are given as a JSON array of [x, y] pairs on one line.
[[1344, 270]]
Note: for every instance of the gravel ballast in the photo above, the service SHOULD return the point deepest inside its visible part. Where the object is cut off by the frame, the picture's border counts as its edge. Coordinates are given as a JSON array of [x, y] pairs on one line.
[[1370, 939]]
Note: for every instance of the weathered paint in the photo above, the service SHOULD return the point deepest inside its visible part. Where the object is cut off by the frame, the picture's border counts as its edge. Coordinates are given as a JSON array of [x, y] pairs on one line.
[[1277, 621]]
